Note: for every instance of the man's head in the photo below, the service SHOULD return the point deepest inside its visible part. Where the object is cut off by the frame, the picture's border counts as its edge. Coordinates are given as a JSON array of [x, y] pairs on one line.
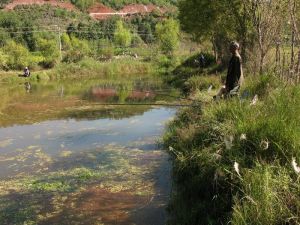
[[234, 47]]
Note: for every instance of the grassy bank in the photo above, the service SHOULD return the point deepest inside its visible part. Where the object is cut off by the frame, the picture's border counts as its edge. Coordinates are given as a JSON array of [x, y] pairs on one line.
[[236, 162], [86, 68]]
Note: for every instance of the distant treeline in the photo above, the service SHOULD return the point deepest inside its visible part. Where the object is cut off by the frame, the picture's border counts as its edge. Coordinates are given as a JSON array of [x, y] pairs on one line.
[[51, 35]]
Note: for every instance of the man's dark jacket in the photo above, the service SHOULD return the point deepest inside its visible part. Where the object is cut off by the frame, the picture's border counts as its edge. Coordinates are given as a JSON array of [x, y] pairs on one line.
[[234, 72]]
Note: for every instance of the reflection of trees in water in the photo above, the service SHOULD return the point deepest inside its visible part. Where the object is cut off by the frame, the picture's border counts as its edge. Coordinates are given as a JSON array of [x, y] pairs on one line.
[[111, 112], [46, 101], [119, 95]]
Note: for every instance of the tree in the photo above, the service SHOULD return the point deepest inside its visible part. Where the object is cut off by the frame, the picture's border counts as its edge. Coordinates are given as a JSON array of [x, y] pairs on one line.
[[168, 36], [122, 35], [217, 21], [49, 50], [18, 55], [268, 20]]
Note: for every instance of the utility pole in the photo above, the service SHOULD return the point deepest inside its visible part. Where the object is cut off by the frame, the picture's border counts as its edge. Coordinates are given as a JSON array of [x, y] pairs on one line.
[[59, 41], [60, 45]]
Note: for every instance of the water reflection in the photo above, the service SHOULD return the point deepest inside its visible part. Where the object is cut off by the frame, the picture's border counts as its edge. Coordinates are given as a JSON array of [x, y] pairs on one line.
[[66, 160], [52, 101]]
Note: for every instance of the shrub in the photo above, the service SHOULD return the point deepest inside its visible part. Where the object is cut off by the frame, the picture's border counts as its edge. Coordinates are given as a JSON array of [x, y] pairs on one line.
[[168, 36], [66, 42], [104, 49], [3, 61], [80, 49], [18, 55], [122, 35], [49, 50]]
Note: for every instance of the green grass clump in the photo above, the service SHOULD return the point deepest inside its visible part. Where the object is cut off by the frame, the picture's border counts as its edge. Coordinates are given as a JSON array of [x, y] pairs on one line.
[[269, 195], [202, 83], [260, 140]]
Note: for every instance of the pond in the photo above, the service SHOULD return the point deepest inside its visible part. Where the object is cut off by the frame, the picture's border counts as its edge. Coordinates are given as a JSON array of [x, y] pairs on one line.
[[84, 152]]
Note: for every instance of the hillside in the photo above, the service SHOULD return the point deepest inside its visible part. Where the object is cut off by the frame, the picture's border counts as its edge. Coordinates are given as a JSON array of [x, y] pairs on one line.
[[98, 10]]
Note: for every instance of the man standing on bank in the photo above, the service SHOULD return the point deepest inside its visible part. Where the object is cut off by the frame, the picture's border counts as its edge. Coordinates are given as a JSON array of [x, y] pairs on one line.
[[235, 75]]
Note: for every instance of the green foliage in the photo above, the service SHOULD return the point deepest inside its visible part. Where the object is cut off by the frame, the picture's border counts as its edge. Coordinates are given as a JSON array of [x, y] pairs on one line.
[[118, 4], [66, 42], [168, 36], [50, 52], [104, 49], [80, 49], [18, 55], [122, 35], [145, 25], [3, 60], [266, 190], [83, 4], [202, 83], [220, 21]]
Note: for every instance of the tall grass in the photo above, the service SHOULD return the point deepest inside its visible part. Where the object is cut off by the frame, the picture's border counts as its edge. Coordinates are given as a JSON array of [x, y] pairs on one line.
[[260, 140], [88, 68]]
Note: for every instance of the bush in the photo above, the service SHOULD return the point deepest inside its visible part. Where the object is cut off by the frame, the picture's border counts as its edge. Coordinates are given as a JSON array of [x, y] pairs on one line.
[[66, 42], [18, 56], [104, 49], [3, 61], [122, 35], [50, 52], [168, 36], [80, 49]]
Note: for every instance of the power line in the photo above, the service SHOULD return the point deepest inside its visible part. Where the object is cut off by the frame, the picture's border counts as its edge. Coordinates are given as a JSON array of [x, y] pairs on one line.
[[75, 31]]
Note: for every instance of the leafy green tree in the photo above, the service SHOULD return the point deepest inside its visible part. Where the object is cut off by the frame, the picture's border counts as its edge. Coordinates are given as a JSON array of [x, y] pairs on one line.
[[218, 21], [122, 35], [11, 22], [28, 35], [168, 35], [49, 50], [18, 55], [79, 50]]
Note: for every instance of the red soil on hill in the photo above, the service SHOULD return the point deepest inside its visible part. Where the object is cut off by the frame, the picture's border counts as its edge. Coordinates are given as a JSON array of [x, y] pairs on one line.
[[97, 11], [140, 9], [56, 3], [100, 11]]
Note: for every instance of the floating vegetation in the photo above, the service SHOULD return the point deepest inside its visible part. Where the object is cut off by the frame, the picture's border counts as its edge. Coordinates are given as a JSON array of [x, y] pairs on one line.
[[70, 160], [48, 193]]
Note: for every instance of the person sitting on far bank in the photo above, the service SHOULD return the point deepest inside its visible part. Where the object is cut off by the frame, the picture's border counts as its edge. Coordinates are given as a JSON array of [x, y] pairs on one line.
[[235, 75], [26, 72]]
